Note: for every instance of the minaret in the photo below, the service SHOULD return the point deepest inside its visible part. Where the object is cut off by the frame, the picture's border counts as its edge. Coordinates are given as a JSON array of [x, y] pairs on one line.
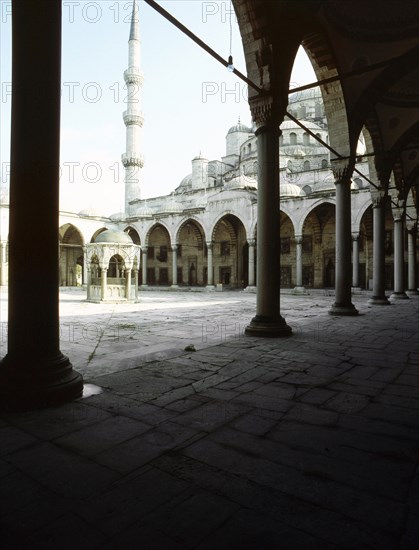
[[132, 159]]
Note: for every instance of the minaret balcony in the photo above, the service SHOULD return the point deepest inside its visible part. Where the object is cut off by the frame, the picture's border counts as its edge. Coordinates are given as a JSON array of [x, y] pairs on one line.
[[131, 116], [132, 159], [134, 76]]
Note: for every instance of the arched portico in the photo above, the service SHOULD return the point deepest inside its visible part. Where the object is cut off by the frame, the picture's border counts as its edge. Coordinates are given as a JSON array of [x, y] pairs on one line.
[[71, 256], [230, 252], [158, 265], [191, 253]]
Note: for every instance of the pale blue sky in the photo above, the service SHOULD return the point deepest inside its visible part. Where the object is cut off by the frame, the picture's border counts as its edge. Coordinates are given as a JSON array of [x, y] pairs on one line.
[[181, 120]]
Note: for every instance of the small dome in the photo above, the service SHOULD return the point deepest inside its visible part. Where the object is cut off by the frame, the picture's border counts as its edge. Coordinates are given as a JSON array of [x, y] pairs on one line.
[[242, 180], [185, 184], [144, 211], [311, 93], [117, 217], [291, 125], [239, 127], [90, 213], [113, 236], [290, 190], [172, 206]]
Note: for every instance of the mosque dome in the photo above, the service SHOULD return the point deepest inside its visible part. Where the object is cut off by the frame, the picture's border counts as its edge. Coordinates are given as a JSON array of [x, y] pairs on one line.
[[185, 184], [239, 127], [311, 93], [113, 236], [290, 190], [291, 125]]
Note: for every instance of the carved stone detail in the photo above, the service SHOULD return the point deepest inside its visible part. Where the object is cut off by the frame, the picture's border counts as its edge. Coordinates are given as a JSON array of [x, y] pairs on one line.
[[342, 171], [378, 197], [135, 159]]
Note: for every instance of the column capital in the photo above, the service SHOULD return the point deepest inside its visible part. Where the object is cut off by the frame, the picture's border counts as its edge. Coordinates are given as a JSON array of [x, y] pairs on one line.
[[209, 244], [378, 197], [251, 242], [144, 249], [266, 111], [398, 210], [342, 171], [355, 236], [298, 239], [174, 247]]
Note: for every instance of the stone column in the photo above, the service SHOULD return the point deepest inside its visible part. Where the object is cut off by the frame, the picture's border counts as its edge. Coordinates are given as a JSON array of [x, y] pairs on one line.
[[210, 267], [343, 273], [379, 198], [411, 259], [268, 321], [174, 266], [84, 281], [136, 283], [355, 260], [104, 283], [144, 251], [251, 268], [399, 293], [128, 283], [35, 373], [3, 264], [89, 282], [299, 288]]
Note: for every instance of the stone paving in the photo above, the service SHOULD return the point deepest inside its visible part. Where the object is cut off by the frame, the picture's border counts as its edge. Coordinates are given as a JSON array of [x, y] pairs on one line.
[[246, 443]]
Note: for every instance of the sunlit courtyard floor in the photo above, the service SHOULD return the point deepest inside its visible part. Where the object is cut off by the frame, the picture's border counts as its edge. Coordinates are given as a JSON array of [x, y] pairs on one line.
[[305, 442]]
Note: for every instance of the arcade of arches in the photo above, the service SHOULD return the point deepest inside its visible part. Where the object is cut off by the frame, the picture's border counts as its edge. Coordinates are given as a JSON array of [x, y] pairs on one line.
[[365, 60]]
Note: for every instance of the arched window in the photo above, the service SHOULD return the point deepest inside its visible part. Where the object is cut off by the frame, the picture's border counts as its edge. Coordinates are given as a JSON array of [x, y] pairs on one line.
[[324, 163], [306, 139], [293, 138], [306, 165], [116, 266], [249, 148], [303, 111], [318, 110]]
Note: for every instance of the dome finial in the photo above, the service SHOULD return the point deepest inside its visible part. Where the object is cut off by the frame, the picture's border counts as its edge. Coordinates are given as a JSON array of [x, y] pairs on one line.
[[238, 122]]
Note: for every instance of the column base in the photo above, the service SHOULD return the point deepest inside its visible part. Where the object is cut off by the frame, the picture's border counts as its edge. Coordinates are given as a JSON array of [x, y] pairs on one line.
[[210, 287], [299, 290], [412, 292], [341, 309], [379, 301], [399, 296], [175, 287], [27, 384], [273, 327]]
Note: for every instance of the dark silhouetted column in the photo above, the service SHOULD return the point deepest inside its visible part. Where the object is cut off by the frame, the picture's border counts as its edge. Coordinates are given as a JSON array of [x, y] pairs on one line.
[[34, 372]]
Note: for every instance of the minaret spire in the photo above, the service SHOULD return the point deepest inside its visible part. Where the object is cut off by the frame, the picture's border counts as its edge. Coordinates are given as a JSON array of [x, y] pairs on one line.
[[132, 159]]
